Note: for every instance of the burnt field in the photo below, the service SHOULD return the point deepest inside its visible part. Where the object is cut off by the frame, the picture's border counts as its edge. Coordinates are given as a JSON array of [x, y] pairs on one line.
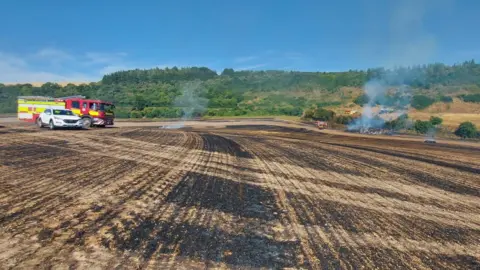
[[235, 197]]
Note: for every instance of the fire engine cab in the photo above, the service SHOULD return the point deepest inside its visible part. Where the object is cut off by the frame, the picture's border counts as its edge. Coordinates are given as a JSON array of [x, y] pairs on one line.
[[92, 111], [321, 124]]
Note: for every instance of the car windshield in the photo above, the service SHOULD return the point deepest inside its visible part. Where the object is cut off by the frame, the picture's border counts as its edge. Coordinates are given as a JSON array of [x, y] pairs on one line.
[[62, 112], [106, 107]]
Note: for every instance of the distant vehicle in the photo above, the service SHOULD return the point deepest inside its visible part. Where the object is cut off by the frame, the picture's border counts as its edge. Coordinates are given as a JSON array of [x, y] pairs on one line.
[[59, 118], [350, 112], [93, 112], [386, 110], [430, 140], [321, 124]]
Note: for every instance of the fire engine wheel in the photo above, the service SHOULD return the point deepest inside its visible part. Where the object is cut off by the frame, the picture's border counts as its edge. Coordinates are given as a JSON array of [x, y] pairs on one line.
[[39, 122], [51, 125], [87, 122]]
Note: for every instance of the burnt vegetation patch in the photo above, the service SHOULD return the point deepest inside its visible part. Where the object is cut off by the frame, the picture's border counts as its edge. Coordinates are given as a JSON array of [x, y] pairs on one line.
[[240, 199], [302, 156], [442, 261], [22, 155], [150, 238], [45, 234], [265, 212], [268, 128], [413, 157], [410, 173], [356, 219], [216, 143]]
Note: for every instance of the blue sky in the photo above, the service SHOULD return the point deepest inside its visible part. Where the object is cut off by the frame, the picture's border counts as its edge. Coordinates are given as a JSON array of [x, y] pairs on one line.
[[55, 40]]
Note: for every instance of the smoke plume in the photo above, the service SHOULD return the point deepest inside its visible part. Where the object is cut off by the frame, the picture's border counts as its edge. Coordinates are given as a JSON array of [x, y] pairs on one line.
[[190, 101], [409, 44]]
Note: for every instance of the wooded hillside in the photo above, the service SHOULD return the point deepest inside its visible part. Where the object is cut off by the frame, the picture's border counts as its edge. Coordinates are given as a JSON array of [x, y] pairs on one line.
[[255, 92]]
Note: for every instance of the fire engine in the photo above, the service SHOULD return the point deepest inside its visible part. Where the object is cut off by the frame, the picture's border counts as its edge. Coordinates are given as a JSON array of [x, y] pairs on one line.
[[92, 111], [321, 124]]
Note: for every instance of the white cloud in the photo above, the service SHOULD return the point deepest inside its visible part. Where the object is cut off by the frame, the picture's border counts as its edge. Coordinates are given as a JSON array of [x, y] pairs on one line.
[[252, 67], [11, 60], [53, 54], [244, 59], [104, 58], [293, 55], [45, 65], [113, 68], [273, 58], [13, 72]]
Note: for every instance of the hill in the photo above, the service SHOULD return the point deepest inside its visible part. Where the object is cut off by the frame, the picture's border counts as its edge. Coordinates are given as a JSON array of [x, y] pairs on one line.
[[175, 92], [39, 84]]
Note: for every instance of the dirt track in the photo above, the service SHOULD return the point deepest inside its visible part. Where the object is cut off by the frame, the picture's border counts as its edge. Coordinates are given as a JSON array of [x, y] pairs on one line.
[[235, 197]]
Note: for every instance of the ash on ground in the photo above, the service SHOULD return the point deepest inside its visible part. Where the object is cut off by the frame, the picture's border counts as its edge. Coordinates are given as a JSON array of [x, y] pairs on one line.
[[372, 131]]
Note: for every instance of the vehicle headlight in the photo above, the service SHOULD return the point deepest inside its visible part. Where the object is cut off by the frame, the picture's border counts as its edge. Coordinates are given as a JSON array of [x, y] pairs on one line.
[[56, 118]]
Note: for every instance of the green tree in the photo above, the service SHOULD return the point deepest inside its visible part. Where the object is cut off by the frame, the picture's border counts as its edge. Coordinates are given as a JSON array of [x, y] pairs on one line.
[[471, 98], [422, 127], [264, 92], [436, 120], [135, 114], [308, 113], [421, 102], [446, 99], [323, 115], [361, 100], [466, 130], [228, 72], [399, 123]]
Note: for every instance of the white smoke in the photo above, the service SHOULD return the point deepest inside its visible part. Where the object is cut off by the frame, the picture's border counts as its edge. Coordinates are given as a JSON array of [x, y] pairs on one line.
[[190, 101], [409, 43]]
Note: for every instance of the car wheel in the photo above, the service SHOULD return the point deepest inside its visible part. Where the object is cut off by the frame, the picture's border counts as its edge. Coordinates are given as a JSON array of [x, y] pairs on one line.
[[87, 122], [51, 125], [39, 122]]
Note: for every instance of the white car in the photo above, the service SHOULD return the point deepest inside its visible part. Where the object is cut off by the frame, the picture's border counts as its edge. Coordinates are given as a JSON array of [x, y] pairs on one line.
[[54, 118]]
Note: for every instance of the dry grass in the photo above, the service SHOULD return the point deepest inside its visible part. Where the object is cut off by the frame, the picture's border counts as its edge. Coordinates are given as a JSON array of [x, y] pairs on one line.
[[457, 106], [450, 120]]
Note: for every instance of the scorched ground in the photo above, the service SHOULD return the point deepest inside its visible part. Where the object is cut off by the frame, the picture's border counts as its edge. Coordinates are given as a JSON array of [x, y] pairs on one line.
[[239, 197]]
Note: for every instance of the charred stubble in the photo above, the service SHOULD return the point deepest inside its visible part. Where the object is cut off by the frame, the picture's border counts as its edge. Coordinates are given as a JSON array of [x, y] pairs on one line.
[[157, 198]]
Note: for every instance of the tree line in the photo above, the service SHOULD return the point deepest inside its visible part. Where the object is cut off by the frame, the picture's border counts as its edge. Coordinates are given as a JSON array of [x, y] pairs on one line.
[[266, 92]]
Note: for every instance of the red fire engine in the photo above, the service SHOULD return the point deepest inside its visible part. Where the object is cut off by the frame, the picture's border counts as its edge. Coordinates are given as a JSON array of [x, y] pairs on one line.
[[321, 124], [94, 112]]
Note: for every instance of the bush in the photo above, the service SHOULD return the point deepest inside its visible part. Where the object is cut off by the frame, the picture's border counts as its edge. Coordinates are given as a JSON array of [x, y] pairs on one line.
[[466, 130], [293, 111], [446, 99], [122, 113], [422, 127], [323, 115], [135, 114], [361, 100], [436, 120], [421, 102], [399, 123], [343, 119], [470, 98], [308, 114]]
